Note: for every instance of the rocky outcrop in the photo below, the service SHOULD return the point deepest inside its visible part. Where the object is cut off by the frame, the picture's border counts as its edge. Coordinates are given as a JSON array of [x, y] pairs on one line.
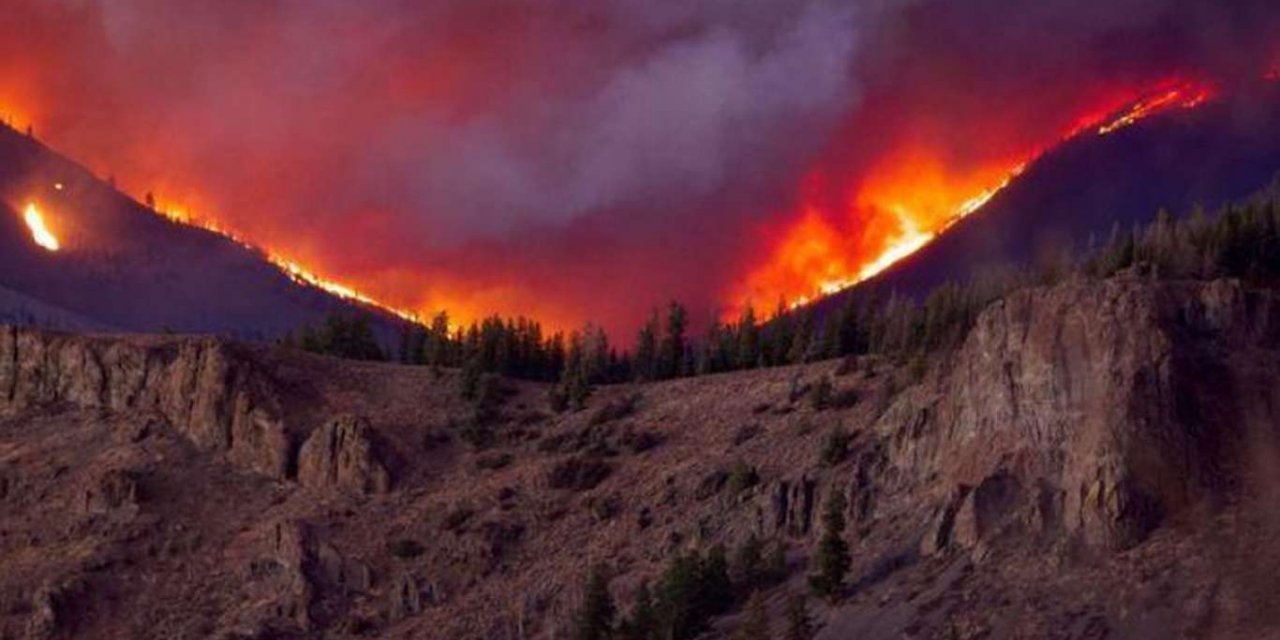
[[1091, 409], [207, 389], [343, 454]]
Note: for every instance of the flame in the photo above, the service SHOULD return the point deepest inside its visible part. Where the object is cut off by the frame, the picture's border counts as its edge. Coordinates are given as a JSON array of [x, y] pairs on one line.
[[911, 196], [300, 274], [1184, 96], [40, 232]]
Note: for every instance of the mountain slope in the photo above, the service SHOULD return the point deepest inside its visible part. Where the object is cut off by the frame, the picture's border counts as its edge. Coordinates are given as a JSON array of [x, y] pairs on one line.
[[1065, 473], [124, 267], [1220, 152]]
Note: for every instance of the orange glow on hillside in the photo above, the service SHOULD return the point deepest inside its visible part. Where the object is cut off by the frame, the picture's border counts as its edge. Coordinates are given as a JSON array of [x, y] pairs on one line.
[[911, 195], [296, 271], [40, 232]]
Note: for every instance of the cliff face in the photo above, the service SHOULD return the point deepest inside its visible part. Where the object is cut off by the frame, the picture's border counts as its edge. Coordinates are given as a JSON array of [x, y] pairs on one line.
[[1093, 410], [1068, 467], [206, 389]]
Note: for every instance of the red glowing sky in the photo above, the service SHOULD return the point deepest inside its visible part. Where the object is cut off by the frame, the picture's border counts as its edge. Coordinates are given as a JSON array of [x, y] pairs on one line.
[[587, 161]]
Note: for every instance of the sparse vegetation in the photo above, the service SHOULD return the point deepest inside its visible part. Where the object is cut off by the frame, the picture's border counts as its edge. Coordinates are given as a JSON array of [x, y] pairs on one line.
[[835, 448], [820, 394], [616, 409], [742, 476], [494, 461], [578, 474]]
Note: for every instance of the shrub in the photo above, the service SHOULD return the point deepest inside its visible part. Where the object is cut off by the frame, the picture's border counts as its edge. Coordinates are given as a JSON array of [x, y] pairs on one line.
[[916, 368], [557, 399], [640, 441], [742, 476], [835, 448], [616, 409], [476, 431], [844, 399], [406, 548], [577, 474], [494, 461], [456, 517], [820, 394], [745, 433]]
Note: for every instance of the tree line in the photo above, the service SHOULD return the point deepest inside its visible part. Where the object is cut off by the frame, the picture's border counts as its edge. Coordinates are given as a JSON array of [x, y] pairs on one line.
[[1240, 241]]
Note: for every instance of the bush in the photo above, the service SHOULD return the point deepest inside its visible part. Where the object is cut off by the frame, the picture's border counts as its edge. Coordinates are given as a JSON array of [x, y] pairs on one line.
[[742, 476], [640, 441], [615, 409], [406, 548], [456, 517], [844, 399], [744, 433], [577, 474], [820, 394], [494, 461], [835, 448], [557, 399], [477, 431]]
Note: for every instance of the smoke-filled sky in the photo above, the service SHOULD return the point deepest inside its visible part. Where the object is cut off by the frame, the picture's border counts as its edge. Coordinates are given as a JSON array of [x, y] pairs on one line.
[[579, 160]]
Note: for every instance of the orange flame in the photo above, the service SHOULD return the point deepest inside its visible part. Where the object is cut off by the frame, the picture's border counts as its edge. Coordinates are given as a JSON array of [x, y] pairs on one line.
[[911, 196], [40, 233], [183, 215]]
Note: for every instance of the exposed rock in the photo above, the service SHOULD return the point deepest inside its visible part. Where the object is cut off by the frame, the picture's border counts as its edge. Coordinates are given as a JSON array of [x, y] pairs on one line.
[[342, 454], [1098, 393], [110, 491], [206, 389], [791, 503], [53, 609], [275, 578]]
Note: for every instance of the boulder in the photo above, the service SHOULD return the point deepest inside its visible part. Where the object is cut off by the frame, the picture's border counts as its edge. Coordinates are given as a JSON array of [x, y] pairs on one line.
[[342, 454]]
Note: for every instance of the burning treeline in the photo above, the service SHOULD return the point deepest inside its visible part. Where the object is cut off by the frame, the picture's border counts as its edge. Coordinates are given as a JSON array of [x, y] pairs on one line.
[[593, 159]]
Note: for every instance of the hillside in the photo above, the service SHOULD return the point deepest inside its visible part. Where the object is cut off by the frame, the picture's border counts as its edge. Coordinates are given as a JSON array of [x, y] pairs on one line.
[[1218, 153], [1095, 459], [126, 268]]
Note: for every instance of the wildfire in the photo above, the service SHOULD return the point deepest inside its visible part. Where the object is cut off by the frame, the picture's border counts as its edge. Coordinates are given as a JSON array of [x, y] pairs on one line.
[[1183, 96], [911, 197], [40, 233], [294, 270]]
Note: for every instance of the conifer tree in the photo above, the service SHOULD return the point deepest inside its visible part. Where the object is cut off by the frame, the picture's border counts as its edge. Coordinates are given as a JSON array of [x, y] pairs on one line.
[[833, 559], [594, 620]]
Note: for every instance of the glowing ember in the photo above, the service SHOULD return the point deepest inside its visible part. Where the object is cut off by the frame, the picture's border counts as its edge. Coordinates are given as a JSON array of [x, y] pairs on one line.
[[40, 232]]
